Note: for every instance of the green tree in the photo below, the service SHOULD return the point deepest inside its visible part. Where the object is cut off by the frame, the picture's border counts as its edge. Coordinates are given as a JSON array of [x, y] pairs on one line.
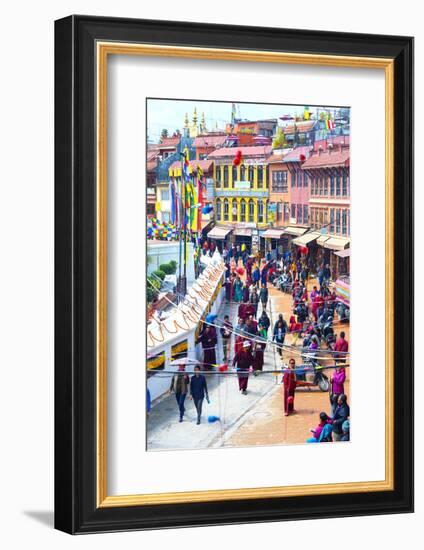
[[279, 141], [163, 134]]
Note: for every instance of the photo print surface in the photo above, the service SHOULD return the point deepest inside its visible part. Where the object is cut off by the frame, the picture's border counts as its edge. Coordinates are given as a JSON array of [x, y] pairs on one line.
[[248, 274]]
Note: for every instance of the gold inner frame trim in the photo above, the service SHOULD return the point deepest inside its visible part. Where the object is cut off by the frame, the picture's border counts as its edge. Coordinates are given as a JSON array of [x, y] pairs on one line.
[[104, 49]]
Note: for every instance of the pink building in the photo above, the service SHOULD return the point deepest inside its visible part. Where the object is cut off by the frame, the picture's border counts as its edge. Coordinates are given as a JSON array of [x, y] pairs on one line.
[[299, 186]]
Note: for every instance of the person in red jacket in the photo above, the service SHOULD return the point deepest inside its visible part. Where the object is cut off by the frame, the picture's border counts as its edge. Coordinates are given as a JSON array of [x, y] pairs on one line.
[[342, 346], [289, 388]]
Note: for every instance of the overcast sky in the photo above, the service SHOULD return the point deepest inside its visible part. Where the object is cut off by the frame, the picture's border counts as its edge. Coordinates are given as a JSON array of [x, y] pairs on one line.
[[170, 114]]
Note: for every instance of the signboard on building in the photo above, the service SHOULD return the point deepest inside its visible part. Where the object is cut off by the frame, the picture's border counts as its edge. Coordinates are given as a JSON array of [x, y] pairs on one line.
[[209, 189], [242, 185]]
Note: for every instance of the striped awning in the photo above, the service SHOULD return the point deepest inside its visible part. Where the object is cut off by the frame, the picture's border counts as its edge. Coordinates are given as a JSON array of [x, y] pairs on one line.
[[272, 233], [243, 231], [321, 240], [219, 233], [296, 231], [306, 238], [343, 253], [336, 243]]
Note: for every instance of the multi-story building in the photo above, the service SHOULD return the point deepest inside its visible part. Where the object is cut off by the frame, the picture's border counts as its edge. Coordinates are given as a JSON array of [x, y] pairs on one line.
[[151, 167], [168, 146], [300, 133], [329, 201], [206, 143], [163, 203], [246, 131], [206, 182], [241, 192], [298, 191], [279, 191]]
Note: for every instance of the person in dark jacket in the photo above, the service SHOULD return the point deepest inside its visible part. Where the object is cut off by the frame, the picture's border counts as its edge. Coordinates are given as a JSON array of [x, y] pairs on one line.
[[198, 391], [263, 296], [244, 361], [341, 414], [263, 324], [280, 318], [208, 339], [179, 384], [279, 335]]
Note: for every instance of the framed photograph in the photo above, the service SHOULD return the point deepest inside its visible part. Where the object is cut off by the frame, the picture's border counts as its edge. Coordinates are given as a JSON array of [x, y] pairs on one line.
[[234, 274]]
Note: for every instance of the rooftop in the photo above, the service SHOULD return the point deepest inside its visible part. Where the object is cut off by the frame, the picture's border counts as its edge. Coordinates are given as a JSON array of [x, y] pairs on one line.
[[169, 142], [296, 154], [250, 151], [330, 158], [210, 140]]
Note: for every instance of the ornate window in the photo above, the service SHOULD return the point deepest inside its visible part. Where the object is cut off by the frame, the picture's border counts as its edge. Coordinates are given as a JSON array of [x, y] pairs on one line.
[[338, 185], [243, 211], [260, 176], [226, 210], [218, 176], [260, 212], [242, 173], [251, 211], [218, 209], [226, 180]]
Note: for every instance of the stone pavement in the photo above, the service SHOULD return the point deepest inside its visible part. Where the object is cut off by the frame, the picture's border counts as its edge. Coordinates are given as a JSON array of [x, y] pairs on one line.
[[164, 431]]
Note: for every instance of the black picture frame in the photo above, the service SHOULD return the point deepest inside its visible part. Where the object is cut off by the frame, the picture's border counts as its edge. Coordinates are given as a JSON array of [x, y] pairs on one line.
[[76, 510]]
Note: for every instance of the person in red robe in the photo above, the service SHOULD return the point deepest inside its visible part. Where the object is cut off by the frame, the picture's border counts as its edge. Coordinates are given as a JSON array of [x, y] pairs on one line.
[[289, 387], [244, 360], [317, 303]]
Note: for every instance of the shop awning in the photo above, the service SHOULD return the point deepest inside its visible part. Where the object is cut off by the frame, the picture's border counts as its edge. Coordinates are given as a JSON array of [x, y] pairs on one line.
[[243, 232], [296, 231], [306, 238], [336, 243], [343, 253], [321, 240], [272, 233], [219, 232]]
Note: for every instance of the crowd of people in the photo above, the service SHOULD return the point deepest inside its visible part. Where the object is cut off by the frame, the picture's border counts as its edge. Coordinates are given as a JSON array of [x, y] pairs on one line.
[[247, 280]]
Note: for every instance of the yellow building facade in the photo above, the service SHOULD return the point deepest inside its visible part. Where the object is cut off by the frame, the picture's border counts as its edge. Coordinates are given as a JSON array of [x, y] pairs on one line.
[[241, 193]]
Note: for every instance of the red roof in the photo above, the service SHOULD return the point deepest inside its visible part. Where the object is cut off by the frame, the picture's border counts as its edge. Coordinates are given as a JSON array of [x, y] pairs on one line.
[[205, 164], [169, 142], [250, 151], [295, 154], [210, 140], [328, 158]]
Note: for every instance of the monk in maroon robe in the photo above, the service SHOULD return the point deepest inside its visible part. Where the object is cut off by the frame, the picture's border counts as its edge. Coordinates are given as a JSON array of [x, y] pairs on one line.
[[289, 381]]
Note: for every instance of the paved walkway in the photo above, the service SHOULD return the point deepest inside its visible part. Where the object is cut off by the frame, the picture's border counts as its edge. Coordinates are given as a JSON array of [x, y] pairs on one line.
[[164, 431]]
